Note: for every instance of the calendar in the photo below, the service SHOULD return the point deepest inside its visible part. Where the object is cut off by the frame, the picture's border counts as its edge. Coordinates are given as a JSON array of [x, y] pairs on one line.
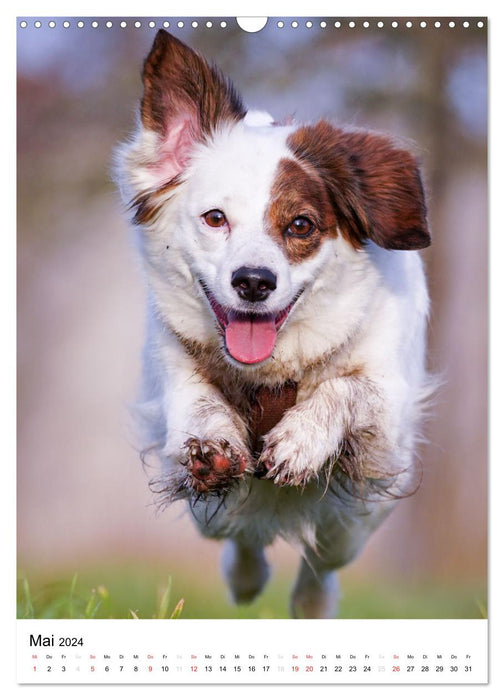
[[151, 548], [254, 652]]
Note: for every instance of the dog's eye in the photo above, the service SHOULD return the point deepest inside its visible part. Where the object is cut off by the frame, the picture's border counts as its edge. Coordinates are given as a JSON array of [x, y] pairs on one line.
[[301, 227], [214, 218]]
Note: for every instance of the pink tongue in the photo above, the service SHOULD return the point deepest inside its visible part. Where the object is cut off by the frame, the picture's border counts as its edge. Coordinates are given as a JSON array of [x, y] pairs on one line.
[[251, 340]]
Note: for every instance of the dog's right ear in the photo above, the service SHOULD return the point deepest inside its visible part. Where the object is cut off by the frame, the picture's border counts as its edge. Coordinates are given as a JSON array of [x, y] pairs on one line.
[[184, 101]]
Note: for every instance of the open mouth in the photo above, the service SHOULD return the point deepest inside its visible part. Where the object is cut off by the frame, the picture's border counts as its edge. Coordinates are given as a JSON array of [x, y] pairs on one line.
[[250, 338]]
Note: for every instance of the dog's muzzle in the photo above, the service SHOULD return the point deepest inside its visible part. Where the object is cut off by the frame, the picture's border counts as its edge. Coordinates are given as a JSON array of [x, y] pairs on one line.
[[250, 337]]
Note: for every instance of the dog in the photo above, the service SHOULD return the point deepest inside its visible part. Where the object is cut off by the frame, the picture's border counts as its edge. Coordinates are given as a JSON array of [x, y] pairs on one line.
[[284, 369]]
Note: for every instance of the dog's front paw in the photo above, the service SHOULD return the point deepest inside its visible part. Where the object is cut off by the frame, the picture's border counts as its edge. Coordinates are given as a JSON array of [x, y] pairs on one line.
[[212, 465], [293, 454], [283, 468]]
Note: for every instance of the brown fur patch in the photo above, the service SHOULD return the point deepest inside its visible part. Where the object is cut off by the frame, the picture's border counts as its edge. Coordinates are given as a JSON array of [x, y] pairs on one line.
[[374, 188], [298, 192], [268, 405], [148, 204], [177, 80]]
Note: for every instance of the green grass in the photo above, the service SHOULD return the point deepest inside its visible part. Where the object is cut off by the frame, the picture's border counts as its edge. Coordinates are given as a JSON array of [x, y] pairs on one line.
[[79, 600], [149, 591]]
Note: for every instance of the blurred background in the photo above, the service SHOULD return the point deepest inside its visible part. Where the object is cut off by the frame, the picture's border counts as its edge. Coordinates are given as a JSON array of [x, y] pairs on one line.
[[87, 529]]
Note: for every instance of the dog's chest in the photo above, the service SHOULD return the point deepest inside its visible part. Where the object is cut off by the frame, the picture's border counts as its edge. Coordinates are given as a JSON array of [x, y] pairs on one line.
[[261, 406], [267, 407], [263, 399]]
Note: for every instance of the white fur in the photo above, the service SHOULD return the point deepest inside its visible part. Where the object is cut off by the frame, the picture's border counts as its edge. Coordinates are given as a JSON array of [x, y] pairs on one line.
[[363, 309]]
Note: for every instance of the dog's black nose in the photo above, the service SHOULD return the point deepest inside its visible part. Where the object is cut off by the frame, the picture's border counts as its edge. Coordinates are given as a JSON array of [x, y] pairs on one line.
[[253, 283]]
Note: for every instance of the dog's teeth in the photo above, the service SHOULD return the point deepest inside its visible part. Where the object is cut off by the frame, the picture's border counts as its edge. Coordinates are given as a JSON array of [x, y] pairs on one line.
[[206, 449]]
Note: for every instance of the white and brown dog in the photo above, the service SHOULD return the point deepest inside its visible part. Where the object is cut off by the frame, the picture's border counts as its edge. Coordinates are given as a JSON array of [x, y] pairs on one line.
[[284, 365]]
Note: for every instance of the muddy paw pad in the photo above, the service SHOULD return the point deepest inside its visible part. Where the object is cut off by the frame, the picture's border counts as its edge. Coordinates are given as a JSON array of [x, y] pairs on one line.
[[212, 465]]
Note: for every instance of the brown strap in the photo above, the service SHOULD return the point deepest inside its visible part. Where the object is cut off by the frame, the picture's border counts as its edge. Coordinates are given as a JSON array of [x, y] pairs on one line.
[[268, 404]]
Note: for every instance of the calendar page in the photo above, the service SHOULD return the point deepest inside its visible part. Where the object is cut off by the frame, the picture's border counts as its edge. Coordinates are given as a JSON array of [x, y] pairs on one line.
[[252, 350]]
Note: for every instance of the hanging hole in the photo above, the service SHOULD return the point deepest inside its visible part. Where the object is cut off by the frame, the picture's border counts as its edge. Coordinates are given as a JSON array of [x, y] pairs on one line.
[[252, 24]]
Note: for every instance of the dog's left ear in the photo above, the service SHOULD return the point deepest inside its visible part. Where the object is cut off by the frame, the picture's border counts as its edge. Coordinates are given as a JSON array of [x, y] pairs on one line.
[[184, 100], [375, 188]]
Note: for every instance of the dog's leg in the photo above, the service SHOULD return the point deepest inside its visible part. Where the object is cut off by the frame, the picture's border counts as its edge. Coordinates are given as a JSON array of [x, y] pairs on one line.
[[342, 532], [215, 453], [245, 569], [316, 591], [205, 449], [347, 411]]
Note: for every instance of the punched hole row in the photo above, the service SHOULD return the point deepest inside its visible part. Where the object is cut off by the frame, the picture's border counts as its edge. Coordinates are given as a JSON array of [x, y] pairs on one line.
[[280, 24]]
